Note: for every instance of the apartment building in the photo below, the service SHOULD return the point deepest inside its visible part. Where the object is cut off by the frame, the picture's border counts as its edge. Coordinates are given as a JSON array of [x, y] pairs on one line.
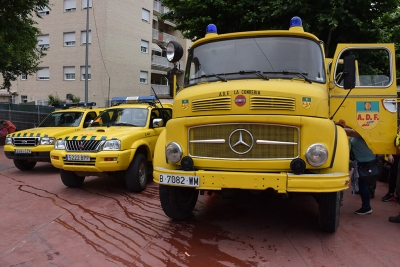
[[126, 51]]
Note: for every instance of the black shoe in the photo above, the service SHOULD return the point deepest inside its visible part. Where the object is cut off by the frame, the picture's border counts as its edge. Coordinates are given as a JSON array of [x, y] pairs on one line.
[[371, 195], [388, 197], [363, 211], [397, 199]]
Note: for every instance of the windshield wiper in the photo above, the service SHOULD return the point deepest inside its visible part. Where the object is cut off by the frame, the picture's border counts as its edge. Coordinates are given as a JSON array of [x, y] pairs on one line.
[[256, 72], [286, 72], [123, 124], [210, 75]]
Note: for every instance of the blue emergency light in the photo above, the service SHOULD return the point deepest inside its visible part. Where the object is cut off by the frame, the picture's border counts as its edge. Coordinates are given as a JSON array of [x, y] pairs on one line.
[[211, 28], [80, 104], [296, 22]]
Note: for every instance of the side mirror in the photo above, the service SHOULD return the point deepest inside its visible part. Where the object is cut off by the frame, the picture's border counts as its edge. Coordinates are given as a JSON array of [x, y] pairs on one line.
[[349, 72], [158, 123]]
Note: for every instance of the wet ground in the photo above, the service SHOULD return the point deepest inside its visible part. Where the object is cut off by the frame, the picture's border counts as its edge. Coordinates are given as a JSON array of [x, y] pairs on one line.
[[43, 223]]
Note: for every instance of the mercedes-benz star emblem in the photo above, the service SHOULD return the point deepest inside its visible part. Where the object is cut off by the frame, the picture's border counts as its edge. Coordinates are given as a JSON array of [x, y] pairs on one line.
[[237, 141]]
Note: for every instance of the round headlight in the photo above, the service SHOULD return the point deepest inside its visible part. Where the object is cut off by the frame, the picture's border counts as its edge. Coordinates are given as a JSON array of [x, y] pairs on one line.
[[317, 154], [174, 51], [173, 151]]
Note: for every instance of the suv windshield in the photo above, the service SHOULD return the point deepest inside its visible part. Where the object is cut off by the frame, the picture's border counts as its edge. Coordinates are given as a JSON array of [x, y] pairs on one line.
[[122, 117], [261, 57], [62, 119]]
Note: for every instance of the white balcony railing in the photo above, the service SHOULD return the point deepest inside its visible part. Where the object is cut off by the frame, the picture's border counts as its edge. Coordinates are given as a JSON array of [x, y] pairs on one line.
[[162, 37], [161, 90]]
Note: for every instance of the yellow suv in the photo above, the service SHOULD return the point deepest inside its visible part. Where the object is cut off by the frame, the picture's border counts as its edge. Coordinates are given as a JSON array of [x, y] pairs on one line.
[[26, 147], [118, 143]]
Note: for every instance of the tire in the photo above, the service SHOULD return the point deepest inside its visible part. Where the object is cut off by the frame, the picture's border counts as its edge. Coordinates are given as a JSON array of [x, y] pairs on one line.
[[329, 211], [70, 179], [178, 202], [24, 165], [136, 176]]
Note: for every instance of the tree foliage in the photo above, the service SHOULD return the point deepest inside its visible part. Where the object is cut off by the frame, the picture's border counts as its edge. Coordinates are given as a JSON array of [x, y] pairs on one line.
[[333, 21], [19, 53]]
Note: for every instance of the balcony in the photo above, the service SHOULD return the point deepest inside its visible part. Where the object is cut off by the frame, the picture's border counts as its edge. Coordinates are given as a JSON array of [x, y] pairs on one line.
[[158, 8], [161, 63], [162, 38], [161, 90]]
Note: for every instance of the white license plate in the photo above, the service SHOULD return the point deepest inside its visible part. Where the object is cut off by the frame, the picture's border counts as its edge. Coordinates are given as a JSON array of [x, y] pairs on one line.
[[22, 151], [186, 180], [78, 158]]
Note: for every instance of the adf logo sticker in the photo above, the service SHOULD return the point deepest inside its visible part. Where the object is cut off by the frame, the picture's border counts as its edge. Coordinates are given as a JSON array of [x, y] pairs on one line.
[[306, 102], [367, 114], [185, 104]]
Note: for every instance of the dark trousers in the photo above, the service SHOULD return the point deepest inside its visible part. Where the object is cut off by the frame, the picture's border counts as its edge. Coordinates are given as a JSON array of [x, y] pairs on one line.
[[364, 192], [394, 169]]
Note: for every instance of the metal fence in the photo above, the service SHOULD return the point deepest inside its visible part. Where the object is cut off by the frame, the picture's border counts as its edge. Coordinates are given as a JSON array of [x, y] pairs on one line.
[[24, 116]]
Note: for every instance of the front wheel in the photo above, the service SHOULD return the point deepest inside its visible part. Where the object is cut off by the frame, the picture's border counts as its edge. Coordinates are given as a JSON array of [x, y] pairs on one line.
[[24, 165], [329, 211], [136, 174], [178, 202], [70, 179]]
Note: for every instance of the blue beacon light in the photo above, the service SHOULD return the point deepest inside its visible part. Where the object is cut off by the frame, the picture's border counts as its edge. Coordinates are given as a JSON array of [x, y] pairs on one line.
[[211, 28], [296, 21]]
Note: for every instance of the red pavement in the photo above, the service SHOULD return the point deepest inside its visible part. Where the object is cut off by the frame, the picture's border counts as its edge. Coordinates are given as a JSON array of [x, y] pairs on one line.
[[43, 223]]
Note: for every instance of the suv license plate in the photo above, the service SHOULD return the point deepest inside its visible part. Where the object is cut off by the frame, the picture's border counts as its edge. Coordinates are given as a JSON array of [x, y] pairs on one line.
[[22, 151], [78, 158], [179, 179]]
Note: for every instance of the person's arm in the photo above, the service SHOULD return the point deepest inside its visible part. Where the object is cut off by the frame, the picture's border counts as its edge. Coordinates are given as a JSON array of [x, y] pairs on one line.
[[351, 132]]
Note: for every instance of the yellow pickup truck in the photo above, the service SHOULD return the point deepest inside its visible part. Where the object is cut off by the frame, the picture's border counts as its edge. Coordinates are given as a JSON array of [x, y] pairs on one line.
[[26, 147], [118, 143]]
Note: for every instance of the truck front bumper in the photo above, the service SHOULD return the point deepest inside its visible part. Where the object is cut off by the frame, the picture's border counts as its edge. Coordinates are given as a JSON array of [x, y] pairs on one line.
[[281, 182], [38, 153], [103, 161]]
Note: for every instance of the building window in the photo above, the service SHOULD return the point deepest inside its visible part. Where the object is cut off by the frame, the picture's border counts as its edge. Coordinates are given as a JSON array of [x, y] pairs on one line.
[[43, 74], [143, 77], [145, 15], [83, 73], [69, 38], [43, 41], [69, 73], [84, 4], [144, 46], [12, 99], [24, 98], [44, 11], [83, 37], [24, 77], [69, 5]]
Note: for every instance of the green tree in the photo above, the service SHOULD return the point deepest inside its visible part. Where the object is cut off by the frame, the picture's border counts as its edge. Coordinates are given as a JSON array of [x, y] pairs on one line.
[[333, 21], [19, 53]]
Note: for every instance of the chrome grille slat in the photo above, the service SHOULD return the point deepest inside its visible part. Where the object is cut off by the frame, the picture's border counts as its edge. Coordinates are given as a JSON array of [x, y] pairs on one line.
[[83, 145], [269, 102], [26, 141], [286, 145], [217, 103]]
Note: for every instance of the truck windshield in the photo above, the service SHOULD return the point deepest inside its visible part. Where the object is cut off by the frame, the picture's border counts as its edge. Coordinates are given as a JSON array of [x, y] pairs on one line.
[[270, 57], [122, 117], [62, 119]]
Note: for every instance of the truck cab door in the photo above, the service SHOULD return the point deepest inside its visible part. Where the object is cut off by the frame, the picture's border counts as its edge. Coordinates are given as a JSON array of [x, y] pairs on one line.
[[369, 108]]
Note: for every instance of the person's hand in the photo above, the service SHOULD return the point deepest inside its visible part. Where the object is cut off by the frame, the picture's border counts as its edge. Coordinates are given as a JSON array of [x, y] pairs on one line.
[[390, 159]]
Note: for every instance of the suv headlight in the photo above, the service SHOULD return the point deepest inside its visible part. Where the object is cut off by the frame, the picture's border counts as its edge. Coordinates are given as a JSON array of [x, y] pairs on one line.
[[173, 151], [317, 154], [60, 144], [112, 145], [8, 141], [47, 140]]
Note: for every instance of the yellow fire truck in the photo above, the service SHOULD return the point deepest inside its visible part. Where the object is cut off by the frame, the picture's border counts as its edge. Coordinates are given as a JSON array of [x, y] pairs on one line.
[[27, 147], [260, 110]]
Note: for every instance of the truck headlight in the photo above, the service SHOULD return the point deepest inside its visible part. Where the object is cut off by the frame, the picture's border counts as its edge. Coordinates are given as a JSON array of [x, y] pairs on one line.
[[8, 141], [173, 151], [46, 140], [112, 145], [60, 144], [317, 154]]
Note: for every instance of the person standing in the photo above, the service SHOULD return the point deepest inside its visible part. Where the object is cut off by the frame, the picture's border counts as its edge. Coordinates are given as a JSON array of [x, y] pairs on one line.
[[367, 167], [9, 126], [394, 161]]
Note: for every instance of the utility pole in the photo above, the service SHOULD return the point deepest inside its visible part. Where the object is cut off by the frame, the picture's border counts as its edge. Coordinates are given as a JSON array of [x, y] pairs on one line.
[[87, 53]]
